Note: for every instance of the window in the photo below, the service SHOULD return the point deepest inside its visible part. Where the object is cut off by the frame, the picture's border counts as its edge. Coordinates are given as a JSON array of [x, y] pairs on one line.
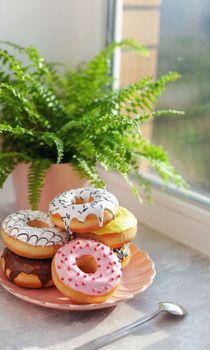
[[185, 47], [177, 34]]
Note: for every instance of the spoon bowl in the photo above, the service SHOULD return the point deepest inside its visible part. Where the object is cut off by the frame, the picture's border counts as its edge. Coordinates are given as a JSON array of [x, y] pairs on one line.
[[172, 308]]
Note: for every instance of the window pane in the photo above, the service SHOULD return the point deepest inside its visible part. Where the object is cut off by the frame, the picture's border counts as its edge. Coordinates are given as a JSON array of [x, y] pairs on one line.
[[185, 48]]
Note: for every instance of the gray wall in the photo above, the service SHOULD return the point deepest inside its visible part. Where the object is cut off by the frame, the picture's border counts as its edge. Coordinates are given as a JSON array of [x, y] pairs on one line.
[[70, 31]]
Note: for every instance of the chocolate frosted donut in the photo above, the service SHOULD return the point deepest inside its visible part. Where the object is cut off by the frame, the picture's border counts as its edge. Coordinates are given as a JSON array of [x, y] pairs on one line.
[[29, 273]]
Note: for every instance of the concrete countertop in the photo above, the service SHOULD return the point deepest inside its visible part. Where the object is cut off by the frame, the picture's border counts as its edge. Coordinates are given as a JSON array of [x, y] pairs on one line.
[[183, 276]]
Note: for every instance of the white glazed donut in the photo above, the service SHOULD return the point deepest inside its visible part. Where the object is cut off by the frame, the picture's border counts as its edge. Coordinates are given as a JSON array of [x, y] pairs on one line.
[[32, 234], [86, 271], [82, 209]]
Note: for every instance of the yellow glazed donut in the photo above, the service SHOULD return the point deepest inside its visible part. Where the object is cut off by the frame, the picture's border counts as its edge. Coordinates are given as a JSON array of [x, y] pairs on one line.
[[83, 209], [32, 234], [119, 231], [86, 271], [28, 273]]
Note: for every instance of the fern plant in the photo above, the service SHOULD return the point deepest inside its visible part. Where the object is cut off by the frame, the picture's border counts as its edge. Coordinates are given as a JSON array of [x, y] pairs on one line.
[[74, 117]]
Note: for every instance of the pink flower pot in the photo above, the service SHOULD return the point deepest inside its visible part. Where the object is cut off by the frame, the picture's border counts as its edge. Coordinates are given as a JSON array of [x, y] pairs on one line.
[[59, 178]]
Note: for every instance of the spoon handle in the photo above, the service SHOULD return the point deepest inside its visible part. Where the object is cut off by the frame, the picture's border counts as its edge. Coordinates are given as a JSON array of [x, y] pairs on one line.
[[111, 337]]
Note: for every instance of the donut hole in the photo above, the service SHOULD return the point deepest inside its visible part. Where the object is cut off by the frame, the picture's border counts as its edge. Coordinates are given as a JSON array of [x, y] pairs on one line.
[[87, 264], [79, 200], [37, 223]]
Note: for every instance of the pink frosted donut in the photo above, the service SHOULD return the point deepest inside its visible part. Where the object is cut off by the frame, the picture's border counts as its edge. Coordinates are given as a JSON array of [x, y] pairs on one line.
[[86, 271]]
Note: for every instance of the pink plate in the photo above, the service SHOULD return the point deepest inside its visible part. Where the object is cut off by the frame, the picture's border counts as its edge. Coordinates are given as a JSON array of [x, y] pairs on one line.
[[137, 277]]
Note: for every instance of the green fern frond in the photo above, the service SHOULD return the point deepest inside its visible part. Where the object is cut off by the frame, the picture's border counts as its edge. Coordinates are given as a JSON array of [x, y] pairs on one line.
[[36, 176], [39, 99], [168, 173], [85, 148], [51, 138], [149, 151], [145, 185], [160, 113], [87, 170], [158, 159], [39, 64], [16, 131], [42, 138], [134, 189], [69, 126], [90, 82], [7, 166], [8, 161], [16, 67], [131, 45], [46, 100], [19, 106], [146, 96], [17, 156], [118, 121], [143, 94], [107, 53], [122, 99], [113, 158]]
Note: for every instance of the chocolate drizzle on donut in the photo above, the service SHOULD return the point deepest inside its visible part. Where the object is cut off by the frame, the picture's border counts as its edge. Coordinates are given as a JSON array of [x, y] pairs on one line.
[[18, 264], [81, 202], [16, 225]]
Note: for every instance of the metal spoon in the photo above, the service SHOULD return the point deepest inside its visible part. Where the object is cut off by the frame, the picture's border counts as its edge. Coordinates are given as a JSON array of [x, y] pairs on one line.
[[170, 308]]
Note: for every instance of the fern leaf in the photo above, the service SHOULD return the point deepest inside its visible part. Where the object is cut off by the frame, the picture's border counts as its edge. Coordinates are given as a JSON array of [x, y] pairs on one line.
[[34, 94], [46, 100], [18, 105], [69, 126], [160, 113], [51, 138], [133, 188], [167, 172], [32, 53], [112, 157], [107, 53], [17, 156], [145, 185], [36, 176], [87, 170], [16, 131], [145, 95], [84, 148], [16, 67], [46, 137], [7, 166], [8, 161], [118, 100], [90, 82], [158, 159]]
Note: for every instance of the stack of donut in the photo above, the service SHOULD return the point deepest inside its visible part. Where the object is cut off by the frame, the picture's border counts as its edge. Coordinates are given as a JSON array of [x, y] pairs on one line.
[[86, 233]]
